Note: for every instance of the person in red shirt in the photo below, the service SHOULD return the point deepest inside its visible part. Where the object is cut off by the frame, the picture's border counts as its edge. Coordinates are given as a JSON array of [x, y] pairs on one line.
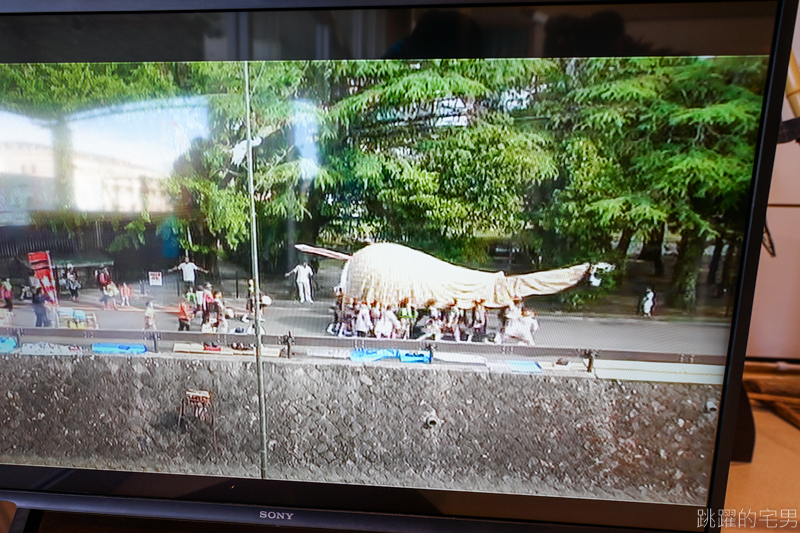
[[184, 316], [103, 277], [125, 292], [208, 305]]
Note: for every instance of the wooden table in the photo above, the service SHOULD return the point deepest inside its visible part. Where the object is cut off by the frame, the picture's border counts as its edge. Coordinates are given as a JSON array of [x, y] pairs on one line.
[[772, 480]]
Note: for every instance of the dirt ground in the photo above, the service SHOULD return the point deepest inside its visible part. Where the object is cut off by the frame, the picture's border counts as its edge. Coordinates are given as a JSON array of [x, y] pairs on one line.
[[425, 426]]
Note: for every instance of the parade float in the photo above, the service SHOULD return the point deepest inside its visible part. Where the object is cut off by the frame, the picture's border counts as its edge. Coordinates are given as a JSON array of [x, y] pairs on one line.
[[388, 273]]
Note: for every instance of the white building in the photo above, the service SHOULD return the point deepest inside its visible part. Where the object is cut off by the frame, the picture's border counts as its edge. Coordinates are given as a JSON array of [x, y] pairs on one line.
[[101, 184]]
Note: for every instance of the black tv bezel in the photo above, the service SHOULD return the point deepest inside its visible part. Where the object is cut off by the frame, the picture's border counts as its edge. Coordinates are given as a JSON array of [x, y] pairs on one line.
[[376, 521], [762, 176], [176, 6]]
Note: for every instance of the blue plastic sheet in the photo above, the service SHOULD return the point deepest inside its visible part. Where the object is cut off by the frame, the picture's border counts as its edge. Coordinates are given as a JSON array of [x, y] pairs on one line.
[[524, 367], [7, 344], [411, 357], [368, 356], [118, 349]]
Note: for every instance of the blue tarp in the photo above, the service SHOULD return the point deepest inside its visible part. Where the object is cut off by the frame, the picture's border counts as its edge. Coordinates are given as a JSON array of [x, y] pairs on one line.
[[364, 355], [368, 356], [410, 357], [524, 367], [124, 349], [7, 344]]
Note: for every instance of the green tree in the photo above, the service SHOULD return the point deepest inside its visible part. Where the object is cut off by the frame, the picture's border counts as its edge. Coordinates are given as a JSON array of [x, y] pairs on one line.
[[701, 158], [595, 108], [427, 153], [649, 142]]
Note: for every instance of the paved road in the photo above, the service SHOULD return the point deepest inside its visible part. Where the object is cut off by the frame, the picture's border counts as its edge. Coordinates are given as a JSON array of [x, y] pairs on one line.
[[630, 334]]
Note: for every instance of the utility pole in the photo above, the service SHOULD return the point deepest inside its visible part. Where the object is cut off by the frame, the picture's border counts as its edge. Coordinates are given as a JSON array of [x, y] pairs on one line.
[[262, 408]]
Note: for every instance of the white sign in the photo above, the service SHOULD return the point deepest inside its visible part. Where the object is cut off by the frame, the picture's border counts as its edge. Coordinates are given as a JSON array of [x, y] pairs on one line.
[[156, 278]]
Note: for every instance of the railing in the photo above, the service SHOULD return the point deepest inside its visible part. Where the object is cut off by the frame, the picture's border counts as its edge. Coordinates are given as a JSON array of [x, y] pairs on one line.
[[16, 241], [156, 340]]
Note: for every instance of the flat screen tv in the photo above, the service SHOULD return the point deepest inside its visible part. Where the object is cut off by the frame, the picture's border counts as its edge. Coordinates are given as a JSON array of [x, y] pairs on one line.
[[379, 265]]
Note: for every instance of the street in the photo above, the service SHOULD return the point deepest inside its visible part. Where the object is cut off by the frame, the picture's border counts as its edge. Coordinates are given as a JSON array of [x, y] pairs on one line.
[[636, 334]]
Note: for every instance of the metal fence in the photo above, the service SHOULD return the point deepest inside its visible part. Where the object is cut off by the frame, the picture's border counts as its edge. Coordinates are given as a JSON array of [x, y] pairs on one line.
[[17, 242], [159, 341]]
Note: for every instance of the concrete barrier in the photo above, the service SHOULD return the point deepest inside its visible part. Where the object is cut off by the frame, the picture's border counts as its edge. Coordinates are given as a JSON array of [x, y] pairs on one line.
[[425, 426]]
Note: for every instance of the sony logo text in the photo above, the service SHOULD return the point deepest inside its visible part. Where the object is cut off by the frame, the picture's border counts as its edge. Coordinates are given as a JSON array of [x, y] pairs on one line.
[[272, 515]]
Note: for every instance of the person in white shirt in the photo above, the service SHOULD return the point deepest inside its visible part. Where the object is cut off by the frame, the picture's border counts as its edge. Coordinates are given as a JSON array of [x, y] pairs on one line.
[[363, 324], [33, 281], [149, 317], [303, 274], [521, 327], [386, 325], [648, 302], [188, 269]]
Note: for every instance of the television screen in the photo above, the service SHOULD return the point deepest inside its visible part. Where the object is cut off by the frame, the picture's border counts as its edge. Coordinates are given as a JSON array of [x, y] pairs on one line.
[[446, 265]]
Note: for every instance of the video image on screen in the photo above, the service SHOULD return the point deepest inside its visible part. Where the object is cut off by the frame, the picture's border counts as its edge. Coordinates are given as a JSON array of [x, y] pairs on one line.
[[504, 276]]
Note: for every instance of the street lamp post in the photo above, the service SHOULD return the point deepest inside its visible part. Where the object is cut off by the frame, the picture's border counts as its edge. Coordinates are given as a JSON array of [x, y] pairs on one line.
[[262, 408]]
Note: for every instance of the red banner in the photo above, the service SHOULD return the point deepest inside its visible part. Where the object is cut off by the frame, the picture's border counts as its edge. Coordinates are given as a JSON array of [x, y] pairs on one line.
[[43, 270]]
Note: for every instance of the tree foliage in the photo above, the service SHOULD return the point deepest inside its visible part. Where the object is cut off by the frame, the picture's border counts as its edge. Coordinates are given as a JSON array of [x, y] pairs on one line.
[[650, 143], [569, 160]]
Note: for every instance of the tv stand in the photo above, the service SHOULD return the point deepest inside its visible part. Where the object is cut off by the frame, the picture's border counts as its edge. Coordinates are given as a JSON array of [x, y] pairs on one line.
[[744, 439]]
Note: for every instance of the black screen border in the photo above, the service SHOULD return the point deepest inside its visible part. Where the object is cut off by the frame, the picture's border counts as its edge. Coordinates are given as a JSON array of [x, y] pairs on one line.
[[333, 519], [772, 107], [176, 6]]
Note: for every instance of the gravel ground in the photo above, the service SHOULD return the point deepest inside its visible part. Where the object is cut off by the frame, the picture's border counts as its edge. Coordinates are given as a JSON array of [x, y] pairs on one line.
[[425, 426]]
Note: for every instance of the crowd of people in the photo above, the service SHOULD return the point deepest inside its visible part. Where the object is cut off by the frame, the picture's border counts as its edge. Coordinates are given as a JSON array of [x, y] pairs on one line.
[[112, 296], [201, 308], [433, 321], [207, 306], [200, 304]]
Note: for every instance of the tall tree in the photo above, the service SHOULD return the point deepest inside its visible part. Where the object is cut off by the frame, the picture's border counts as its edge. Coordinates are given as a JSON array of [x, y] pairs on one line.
[[428, 153], [649, 142], [704, 132]]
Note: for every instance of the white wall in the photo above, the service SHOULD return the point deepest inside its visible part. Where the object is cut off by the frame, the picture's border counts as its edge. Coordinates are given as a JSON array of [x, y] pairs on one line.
[[775, 326]]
